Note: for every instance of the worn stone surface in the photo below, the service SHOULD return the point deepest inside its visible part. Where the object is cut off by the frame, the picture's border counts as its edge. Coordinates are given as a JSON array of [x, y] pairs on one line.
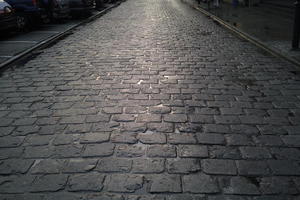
[[199, 183], [86, 182], [182, 166], [152, 100], [124, 183], [165, 183], [143, 166]]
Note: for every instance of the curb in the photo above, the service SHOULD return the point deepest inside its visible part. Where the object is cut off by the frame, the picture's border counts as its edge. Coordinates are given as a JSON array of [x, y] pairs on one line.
[[53, 39], [246, 36]]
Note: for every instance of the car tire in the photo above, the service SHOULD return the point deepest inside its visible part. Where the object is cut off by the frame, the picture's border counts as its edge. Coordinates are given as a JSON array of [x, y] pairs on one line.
[[22, 22]]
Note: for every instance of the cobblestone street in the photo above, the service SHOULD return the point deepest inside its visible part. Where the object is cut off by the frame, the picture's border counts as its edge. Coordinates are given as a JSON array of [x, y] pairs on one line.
[[152, 101]]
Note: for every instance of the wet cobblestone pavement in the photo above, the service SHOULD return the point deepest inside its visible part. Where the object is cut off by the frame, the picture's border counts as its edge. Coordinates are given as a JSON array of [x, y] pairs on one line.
[[151, 101]]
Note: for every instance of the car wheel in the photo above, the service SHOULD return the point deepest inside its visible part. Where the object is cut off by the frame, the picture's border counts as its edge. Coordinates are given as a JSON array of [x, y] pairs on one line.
[[22, 22]]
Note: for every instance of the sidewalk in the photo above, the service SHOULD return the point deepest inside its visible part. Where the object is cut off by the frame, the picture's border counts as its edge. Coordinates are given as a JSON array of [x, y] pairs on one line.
[[273, 30], [152, 101]]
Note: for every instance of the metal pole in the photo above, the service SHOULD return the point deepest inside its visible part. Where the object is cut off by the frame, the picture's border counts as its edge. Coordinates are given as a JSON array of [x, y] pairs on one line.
[[296, 34]]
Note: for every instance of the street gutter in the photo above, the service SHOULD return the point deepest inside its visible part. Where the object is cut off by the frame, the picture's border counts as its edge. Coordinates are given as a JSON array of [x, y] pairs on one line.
[[245, 36], [52, 39]]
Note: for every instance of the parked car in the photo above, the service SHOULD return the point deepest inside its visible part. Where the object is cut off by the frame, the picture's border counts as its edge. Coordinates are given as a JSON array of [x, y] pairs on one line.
[[81, 7], [8, 19], [56, 9], [29, 12]]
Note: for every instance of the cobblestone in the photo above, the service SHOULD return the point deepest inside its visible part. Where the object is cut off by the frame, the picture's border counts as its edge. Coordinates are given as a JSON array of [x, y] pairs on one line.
[[152, 100], [86, 182], [165, 183], [199, 183], [124, 183]]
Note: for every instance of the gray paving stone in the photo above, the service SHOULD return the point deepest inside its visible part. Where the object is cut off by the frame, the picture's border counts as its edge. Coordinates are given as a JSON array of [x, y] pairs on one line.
[[86, 182], [79, 165], [97, 118], [224, 152], [78, 128], [123, 117], [241, 185], [244, 129], [15, 184], [268, 140], [124, 137], [152, 138], [149, 118], [95, 196], [94, 138], [15, 166], [182, 138], [285, 153], [175, 118], [127, 183], [38, 152], [64, 139], [135, 110], [161, 127], [182, 166], [284, 167], [186, 197], [4, 131], [11, 153], [64, 195], [5, 121], [226, 119], [219, 166], [210, 138], [114, 165], [252, 168], [68, 151], [145, 197], [165, 183], [49, 183], [160, 109], [95, 150], [112, 110], [148, 165], [48, 166], [10, 141], [130, 151], [255, 153], [163, 151], [24, 122], [277, 185], [37, 140], [238, 140], [79, 119], [199, 183], [291, 140], [203, 119], [271, 130], [192, 151], [216, 128]]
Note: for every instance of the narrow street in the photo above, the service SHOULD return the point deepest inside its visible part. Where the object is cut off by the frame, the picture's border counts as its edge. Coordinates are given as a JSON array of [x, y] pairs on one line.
[[152, 101]]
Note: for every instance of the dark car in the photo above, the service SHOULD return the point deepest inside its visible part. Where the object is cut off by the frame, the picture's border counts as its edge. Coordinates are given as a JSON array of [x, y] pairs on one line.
[[29, 12], [81, 7], [8, 18], [56, 9]]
